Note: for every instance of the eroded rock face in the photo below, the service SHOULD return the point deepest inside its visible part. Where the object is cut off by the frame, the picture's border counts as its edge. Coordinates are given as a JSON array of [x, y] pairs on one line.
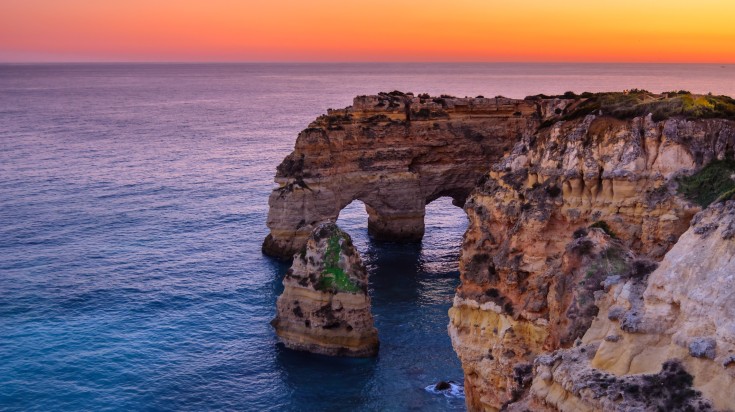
[[679, 320], [564, 381], [325, 307], [519, 282], [493, 340], [396, 153], [555, 310]]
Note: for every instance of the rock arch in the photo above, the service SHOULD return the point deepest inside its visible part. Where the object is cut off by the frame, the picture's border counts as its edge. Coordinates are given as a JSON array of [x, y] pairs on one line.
[[395, 153]]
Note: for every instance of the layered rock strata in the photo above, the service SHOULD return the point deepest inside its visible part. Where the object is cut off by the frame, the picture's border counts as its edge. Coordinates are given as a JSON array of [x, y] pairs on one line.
[[555, 310], [517, 292], [325, 307], [396, 153], [662, 342]]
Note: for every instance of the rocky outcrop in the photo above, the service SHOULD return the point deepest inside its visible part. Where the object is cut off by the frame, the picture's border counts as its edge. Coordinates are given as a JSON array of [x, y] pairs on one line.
[[557, 307], [662, 342], [396, 153], [325, 307], [518, 277], [492, 339]]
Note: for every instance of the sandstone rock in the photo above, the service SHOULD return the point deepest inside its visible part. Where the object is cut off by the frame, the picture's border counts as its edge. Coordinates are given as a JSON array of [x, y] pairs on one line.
[[501, 356], [325, 307], [569, 383], [561, 251], [685, 318], [396, 153], [515, 258]]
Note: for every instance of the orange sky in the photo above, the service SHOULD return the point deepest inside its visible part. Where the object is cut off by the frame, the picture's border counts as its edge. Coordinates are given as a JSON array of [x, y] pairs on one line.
[[375, 30]]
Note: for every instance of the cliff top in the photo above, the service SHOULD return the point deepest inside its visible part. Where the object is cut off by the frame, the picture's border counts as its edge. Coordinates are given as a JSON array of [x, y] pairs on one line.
[[568, 106], [635, 103]]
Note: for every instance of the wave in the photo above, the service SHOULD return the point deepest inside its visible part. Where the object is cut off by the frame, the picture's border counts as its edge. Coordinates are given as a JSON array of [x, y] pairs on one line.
[[449, 389]]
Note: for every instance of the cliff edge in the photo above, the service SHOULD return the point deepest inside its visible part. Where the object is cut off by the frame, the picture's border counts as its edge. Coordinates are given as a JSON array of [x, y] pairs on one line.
[[584, 270]]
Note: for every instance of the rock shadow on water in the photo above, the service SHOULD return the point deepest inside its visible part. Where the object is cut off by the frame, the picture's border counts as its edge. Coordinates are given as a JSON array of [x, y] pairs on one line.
[[337, 378]]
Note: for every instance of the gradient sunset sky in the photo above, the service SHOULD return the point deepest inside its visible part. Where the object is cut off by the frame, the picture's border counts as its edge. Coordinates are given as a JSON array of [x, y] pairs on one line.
[[375, 30]]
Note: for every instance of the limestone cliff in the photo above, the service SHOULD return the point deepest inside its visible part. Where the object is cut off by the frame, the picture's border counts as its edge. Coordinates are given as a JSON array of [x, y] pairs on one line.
[[680, 320], [516, 296], [572, 202], [594, 170], [325, 307], [395, 152]]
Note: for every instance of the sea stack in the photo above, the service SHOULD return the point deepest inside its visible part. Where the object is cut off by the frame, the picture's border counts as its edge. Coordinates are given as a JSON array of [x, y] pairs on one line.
[[325, 307], [591, 278]]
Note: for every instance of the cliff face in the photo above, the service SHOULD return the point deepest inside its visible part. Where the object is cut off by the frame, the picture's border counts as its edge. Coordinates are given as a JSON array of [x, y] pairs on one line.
[[396, 153], [680, 317], [520, 293], [325, 307], [561, 305]]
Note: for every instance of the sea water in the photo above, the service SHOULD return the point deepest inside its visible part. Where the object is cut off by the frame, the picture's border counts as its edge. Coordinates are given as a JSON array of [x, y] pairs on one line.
[[133, 200]]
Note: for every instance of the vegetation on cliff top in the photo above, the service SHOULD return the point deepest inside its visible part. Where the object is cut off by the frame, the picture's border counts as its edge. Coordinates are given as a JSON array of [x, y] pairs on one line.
[[333, 277], [713, 182], [635, 103]]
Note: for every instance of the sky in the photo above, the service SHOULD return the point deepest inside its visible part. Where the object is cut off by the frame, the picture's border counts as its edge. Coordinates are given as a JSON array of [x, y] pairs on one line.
[[685, 31]]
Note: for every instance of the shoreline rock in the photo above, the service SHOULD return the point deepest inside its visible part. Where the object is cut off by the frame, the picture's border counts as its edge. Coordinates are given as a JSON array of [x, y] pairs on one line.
[[518, 274], [325, 306], [682, 341], [573, 201]]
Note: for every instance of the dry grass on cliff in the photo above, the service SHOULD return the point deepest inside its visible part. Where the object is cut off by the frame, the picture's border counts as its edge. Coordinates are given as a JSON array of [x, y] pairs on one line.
[[636, 103]]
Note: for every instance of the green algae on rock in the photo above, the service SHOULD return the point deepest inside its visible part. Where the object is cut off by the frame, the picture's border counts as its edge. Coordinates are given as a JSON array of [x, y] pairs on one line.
[[325, 307]]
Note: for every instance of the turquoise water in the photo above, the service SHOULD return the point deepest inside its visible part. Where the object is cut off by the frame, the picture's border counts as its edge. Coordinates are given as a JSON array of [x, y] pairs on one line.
[[132, 208]]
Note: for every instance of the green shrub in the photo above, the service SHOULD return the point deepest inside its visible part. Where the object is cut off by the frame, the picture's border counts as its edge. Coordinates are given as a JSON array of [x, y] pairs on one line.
[[333, 277], [711, 183], [729, 195]]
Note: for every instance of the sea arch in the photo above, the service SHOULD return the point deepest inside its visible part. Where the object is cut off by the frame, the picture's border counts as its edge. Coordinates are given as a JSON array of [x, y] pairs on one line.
[[396, 153]]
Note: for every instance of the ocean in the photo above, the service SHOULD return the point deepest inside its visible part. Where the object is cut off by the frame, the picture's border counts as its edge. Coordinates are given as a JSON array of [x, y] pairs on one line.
[[133, 200]]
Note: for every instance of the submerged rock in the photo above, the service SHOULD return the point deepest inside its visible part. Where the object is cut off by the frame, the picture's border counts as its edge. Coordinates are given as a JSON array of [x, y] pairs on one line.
[[325, 307], [442, 386], [448, 389]]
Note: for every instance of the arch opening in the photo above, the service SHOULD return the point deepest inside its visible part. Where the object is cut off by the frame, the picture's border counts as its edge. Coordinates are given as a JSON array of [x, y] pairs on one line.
[[413, 284], [443, 223]]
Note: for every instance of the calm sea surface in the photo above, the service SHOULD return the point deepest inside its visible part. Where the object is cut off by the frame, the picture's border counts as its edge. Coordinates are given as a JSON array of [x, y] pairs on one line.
[[133, 201]]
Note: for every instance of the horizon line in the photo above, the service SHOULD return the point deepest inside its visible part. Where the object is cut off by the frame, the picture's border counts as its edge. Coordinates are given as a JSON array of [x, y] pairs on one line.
[[351, 62]]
